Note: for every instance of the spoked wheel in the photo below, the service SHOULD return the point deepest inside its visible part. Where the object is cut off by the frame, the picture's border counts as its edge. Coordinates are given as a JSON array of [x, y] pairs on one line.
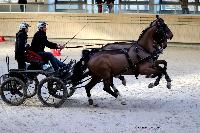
[[13, 91], [52, 92], [3, 77], [72, 88], [32, 87]]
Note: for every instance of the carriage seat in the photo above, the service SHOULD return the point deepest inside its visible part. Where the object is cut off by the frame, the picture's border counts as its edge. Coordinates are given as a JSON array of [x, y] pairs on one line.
[[35, 60]]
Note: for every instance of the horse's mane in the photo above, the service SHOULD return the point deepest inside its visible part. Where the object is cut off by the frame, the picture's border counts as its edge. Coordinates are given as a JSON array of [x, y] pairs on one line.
[[119, 43], [117, 51], [144, 31]]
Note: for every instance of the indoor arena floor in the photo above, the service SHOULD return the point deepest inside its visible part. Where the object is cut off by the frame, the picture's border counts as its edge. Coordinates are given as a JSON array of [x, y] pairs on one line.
[[148, 110]]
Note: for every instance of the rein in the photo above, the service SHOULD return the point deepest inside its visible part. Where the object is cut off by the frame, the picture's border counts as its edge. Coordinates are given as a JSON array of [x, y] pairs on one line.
[[153, 56]]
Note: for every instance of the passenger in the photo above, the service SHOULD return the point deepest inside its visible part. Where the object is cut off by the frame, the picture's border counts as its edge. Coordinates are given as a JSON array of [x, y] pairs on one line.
[[39, 43], [21, 40]]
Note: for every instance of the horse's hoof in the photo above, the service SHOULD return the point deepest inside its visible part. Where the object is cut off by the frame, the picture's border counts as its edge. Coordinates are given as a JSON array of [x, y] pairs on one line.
[[90, 102], [118, 94], [151, 85], [169, 85], [121, 100], [156, 83]]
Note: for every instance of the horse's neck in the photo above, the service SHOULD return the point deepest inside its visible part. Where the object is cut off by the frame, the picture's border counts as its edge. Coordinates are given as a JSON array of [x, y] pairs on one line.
[[146, 42]]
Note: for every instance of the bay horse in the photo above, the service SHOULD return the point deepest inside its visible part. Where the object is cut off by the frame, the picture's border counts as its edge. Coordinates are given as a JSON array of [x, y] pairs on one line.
[[138, 59], [161, 43], [127, 45]]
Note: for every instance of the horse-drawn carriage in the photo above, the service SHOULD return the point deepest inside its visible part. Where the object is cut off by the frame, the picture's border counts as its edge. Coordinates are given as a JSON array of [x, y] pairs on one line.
[[96, 65]]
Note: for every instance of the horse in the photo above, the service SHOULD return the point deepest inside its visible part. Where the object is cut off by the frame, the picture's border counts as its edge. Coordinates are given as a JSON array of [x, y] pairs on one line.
[[127, 45], [138, 59]]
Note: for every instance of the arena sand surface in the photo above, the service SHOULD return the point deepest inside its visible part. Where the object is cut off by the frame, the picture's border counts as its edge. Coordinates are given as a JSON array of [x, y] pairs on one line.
[[148, 110]]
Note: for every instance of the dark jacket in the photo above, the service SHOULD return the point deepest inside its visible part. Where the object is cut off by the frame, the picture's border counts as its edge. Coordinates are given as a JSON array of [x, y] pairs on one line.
[[40, 41], [184, 3], [22, 1], [109, 1], [21, 40], [99, 1]]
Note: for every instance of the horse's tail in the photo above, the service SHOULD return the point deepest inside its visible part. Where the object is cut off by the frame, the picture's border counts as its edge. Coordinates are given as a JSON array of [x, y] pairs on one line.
[[81, 66], [77, 73], [87, 54]]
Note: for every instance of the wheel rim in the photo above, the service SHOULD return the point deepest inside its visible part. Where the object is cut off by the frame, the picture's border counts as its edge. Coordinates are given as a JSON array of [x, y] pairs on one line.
[[52, 92], [31, 89], [13, 91]]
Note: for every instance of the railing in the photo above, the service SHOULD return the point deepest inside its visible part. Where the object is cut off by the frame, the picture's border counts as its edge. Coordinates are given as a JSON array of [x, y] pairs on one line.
[[93, 8]]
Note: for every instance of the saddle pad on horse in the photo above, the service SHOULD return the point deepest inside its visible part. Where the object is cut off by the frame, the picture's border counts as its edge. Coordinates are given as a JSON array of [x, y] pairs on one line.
[[31, 57]]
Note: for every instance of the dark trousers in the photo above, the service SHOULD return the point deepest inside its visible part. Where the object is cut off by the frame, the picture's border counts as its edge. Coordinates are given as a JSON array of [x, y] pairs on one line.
[[110, 6], [56, 64], [23, 8], [100, 8], [185, 10]]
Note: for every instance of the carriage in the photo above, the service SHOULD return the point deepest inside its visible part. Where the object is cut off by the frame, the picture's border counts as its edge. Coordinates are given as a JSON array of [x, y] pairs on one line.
[[18, 85], [133, 58]]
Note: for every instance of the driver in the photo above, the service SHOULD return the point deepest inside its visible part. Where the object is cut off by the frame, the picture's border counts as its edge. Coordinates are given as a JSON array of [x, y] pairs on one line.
[[39, 43]]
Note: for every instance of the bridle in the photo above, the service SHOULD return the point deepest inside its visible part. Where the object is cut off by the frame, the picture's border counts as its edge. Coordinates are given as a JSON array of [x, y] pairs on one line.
[[160, 36]]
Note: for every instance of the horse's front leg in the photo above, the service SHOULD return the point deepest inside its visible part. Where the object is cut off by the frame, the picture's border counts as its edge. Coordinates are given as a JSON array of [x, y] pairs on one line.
[[164, 71], [147, 68], [167, 78], [150, 69], [151, 85], [156, 64]]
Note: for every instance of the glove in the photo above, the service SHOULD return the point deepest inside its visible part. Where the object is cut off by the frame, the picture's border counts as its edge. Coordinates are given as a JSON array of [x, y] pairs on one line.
[[27, 46]]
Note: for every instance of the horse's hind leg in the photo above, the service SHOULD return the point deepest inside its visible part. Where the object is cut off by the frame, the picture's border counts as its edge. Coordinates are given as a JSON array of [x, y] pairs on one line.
[[113, 87], [120, 77], [88, 87], [107, 85]]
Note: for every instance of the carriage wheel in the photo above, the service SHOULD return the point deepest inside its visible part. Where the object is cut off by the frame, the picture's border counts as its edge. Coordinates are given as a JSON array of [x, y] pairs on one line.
[[32, 88], [13, 91], [67, 85], [52, 92]]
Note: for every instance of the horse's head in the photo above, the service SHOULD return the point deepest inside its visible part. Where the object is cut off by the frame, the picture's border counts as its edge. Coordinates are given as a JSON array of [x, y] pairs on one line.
[[162, 32]]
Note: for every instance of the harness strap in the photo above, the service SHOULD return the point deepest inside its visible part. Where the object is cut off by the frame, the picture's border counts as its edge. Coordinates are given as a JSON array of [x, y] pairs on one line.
[[125, 51], [131, 65]]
